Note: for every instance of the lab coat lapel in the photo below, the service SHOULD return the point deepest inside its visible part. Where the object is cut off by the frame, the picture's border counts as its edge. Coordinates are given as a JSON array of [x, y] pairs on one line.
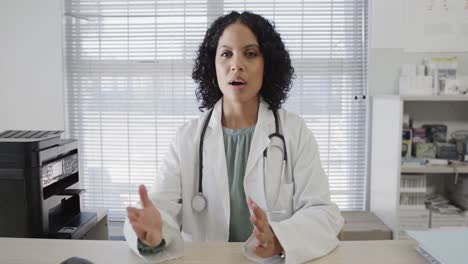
[[215, 161], [254, 177]]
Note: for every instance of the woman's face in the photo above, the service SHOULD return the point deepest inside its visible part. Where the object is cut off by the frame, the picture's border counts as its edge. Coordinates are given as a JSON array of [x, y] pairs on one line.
[[239, 64]]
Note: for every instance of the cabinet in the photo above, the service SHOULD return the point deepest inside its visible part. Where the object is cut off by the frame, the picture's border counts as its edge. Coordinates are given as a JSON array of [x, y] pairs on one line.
[[101, 230], [402, 208]]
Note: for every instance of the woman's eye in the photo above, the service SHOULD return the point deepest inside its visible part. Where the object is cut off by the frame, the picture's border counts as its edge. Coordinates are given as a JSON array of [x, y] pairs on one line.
[[251, 54], [225, 54]]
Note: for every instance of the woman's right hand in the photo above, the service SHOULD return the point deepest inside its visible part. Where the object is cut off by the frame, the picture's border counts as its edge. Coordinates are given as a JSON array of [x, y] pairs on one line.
[[147, 221]]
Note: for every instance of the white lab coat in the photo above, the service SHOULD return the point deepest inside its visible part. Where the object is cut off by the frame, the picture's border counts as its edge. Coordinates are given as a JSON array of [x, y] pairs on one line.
[[310, 222]]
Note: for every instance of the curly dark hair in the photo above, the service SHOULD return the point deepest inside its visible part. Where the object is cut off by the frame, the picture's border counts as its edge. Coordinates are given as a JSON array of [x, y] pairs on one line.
[[278, 72]]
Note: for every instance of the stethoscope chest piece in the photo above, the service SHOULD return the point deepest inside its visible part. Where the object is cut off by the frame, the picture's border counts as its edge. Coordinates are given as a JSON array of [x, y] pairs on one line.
[[199, 202]]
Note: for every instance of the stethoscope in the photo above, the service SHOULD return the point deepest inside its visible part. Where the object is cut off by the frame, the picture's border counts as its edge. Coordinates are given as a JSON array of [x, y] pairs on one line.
[[199, 200]]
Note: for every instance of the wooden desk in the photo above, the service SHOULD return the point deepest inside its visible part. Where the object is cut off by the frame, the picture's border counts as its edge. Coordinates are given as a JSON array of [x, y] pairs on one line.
[[51, 251]]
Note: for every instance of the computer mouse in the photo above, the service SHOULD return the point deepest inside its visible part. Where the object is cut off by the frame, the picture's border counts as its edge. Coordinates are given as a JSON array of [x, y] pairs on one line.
[[77, 260]]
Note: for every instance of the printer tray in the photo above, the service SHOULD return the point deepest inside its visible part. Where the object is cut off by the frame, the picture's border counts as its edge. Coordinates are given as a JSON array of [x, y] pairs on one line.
[[76, 228]]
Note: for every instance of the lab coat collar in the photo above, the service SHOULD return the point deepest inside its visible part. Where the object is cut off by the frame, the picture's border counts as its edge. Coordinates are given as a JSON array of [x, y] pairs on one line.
[[264, 118]]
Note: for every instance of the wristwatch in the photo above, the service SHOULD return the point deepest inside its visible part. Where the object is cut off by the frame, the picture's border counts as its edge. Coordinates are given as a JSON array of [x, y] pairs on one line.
[[146, 250]]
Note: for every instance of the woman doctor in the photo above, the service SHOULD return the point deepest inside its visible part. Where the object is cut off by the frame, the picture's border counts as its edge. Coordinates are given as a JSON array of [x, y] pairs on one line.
[[246, 170]]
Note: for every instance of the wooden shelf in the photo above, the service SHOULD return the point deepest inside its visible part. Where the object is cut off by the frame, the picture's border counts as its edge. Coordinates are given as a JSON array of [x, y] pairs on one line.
[[434, 169], [437, 98], [412, 190]]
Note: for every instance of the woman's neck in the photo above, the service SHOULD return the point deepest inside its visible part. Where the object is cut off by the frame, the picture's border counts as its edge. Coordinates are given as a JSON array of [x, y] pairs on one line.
[[237, 115]]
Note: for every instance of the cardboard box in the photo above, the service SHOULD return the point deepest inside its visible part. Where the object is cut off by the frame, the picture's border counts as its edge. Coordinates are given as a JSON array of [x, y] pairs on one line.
[[361, 225]]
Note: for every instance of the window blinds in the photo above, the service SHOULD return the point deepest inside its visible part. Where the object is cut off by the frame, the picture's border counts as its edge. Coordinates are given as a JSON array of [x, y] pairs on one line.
[[128, 86]]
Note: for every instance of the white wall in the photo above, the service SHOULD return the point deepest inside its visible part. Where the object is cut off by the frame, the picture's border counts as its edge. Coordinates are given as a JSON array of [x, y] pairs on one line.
[[31, 67], [31, 64], [387, 41]]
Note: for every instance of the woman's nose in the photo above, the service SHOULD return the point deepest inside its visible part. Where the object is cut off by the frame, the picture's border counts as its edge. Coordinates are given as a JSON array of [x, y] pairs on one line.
[[237, 65]]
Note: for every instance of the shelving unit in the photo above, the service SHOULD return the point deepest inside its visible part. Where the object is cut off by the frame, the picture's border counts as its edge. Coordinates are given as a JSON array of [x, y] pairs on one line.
[[402, 207]]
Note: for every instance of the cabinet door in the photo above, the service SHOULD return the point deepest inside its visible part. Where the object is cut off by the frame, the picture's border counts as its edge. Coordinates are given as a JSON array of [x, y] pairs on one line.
[[385, 158]]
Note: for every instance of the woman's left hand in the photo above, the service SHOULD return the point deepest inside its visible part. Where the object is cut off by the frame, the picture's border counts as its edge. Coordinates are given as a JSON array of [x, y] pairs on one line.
[[268, 245]]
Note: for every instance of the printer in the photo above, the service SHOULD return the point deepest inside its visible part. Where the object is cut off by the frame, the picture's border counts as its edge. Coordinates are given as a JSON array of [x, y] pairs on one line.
[[36, 170]]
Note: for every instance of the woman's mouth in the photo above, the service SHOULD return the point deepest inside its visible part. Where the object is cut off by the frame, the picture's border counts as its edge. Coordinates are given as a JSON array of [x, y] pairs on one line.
[[237, 83]]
